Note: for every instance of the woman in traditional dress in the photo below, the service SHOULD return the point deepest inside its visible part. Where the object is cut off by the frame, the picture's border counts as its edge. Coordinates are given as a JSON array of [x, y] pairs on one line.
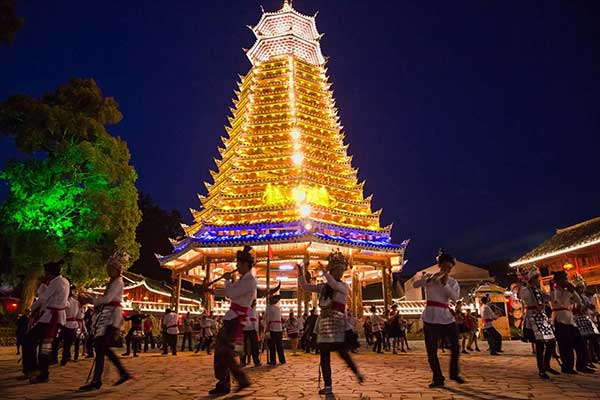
[[536, 327], [331, 325]]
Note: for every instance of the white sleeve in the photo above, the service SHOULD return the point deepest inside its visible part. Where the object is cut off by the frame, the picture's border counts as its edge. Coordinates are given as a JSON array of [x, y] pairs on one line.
[[422, 281], [452, 289], [237, 288], [111, 293], [309, 287], [336, 285]]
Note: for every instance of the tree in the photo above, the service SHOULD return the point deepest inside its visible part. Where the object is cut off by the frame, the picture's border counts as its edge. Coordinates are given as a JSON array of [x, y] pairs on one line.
[[74, 197], [153, 234], [10, 24]]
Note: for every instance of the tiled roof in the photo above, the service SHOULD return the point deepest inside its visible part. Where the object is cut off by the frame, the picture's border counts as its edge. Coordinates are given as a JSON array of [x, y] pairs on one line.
[[564, 240]]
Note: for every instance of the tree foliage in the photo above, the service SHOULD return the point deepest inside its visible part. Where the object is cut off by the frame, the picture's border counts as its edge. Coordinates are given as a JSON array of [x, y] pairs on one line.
[[10, 24], [74, 198]]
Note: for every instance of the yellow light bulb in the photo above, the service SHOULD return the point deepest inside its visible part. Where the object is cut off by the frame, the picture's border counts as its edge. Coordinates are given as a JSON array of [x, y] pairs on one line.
[[298, 158], [305, 210], [299, 194], [308, 226]]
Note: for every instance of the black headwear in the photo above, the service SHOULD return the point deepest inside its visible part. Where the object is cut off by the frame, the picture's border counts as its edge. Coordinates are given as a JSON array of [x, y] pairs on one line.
[[445, 257], [560, 275], [247, 255], [53, 267]]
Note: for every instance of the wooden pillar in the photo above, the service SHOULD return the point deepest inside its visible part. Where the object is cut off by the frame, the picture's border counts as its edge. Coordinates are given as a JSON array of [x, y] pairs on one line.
[[386, 281], [207, 295], [178, 296], [299, 300], [357, 302]]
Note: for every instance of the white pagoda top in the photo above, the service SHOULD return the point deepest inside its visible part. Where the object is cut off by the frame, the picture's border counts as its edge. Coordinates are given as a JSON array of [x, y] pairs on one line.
[[286, 32]]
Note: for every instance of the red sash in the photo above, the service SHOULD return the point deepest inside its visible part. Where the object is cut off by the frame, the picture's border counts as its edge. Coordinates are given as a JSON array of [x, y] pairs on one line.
[[431, 303], [52, 329], [339, 306], [242, 316]]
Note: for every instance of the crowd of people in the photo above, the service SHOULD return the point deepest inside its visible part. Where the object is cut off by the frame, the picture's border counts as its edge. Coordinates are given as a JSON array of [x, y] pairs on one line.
[[60, 318]]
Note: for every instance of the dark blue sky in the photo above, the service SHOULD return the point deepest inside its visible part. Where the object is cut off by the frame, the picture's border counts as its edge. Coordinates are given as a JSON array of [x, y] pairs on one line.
[[475, 123]]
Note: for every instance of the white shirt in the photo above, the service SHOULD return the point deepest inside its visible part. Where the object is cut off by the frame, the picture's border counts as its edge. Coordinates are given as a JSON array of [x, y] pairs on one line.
[[114, 293], [252, 323], [169, 322], [291, 327], [487, 316], [563, 299], [241, 292], [376, 322], [73, 312], [206, 327], [435, 291], [56, 296], [341, 289], [273, 316]]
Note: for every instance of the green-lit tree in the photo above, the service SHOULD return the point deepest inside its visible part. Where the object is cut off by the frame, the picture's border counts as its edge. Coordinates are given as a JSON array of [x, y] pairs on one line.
[[74, 198]]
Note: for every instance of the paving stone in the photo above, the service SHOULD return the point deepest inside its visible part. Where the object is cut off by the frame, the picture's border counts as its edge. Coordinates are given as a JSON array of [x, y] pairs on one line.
[[511, 376]]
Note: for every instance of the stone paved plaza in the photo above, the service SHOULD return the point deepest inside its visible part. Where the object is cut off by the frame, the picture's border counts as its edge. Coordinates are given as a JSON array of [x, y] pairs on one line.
[[189, 376]]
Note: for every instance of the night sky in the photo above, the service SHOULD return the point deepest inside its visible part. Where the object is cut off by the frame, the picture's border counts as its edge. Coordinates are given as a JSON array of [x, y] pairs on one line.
[[475, 123]]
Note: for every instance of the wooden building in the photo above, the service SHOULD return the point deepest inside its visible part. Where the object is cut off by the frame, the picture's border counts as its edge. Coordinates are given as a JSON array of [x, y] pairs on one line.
[[573, 249]]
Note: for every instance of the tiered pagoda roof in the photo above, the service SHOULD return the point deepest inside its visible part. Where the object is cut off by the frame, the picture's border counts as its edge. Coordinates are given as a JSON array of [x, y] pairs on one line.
[[284, 173]]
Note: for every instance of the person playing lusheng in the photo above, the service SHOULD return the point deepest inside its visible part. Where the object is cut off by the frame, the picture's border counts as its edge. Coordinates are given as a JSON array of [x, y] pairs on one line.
[[107, 322], [331, 325], [438, 321], [241, 293], [536, 326], [51, 307]]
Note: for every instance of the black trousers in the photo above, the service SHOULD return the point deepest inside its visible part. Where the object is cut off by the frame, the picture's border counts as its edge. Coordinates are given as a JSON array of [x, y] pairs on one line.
[[433, 334], [543, 354], [31, 344], [569, 339], [251, 347], [325, 350], [204, 343], [89, 345], [224, 362], [68, 336], [169, 340], [378, 341], [276, 344], [494, 339], [148, 338], [102, 345], [130, 339], [187, 336]]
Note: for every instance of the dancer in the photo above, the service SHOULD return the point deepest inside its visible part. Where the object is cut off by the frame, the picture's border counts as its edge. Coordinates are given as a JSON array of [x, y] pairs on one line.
[[205, 335], [291, 327], [536, 327], [438, 321], [493, 337], [69, 331], [331, 325], [275, 329], [395, 329], [50, 306], [107, 322], [135, 334], [251, 338], [562, 297], [187, 332], [170, 330], [376, 329], [585, 325], [241, 293]]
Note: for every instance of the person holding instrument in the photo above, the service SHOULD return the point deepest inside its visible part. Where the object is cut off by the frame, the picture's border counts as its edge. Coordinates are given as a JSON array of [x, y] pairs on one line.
[[536, 327], [241, 293], [438, 320], [107, 322], [562, 297], [331, 325]]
